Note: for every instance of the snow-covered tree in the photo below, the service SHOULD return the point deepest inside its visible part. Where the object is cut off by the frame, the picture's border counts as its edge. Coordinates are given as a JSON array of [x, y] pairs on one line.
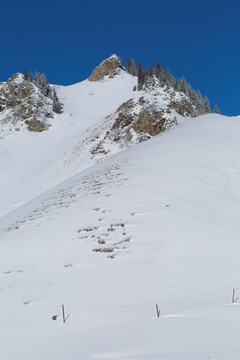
[[133, 68], [26, 75], [30, 76], [216, 110], [57, 107], [140, 76], [36, 79], [183, 85], [158, 70], [194, 97], [129, 64], [206, 104], [151, 72]]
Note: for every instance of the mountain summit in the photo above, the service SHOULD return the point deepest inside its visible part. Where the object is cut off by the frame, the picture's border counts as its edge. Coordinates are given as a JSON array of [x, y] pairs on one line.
[[110, 66]]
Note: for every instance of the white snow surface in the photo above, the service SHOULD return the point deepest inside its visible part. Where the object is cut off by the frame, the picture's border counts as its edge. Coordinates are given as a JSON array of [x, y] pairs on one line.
[[167, 213]]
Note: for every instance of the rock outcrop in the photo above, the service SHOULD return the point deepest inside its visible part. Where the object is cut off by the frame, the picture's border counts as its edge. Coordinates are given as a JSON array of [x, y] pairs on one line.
[[110, 67], [136, 120], [22, 104]]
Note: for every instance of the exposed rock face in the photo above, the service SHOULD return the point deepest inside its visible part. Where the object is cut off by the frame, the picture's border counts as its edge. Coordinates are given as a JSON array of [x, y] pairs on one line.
[[134, 121], [183, 107], [147, 114], [139, 120], [110, 66], [150, 122], [21, 103]]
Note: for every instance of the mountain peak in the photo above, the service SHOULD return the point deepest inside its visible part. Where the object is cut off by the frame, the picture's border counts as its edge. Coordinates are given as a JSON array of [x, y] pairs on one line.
[[110, 66]]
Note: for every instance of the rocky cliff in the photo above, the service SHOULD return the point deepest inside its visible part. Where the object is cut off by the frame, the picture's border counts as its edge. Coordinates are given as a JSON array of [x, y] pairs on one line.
[[108, 67], [22, 105]]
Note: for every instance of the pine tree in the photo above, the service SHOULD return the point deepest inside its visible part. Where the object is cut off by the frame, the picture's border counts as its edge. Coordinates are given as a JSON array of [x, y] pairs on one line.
[[36, 78], [133, 68], [57, 108], [140, 76], [199, 97], [129, 65], [158, 70], [175, 85], [183, 85], [44, 85], [216, 110], [26, 75], [163, 77], [200, 102], [194, 97], [30, 76], [151, 72], [171, 81], [167, 76], [206, 105]]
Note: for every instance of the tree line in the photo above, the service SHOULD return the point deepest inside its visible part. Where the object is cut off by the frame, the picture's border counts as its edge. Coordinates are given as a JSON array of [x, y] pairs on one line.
[[43, 84], [162, 77]]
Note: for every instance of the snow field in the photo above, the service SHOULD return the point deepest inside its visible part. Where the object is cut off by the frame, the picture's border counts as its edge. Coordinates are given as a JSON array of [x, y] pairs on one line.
[[157, 223]]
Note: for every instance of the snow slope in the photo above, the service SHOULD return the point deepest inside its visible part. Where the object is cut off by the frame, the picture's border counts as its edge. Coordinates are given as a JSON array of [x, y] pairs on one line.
[[154, 224], [86, 104]]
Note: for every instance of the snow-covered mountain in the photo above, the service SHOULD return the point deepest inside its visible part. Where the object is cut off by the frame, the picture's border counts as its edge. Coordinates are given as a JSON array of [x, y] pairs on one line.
[[95, 218]]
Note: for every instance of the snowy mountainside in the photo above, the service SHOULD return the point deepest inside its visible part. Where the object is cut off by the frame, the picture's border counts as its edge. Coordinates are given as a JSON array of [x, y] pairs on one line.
[[94, 117], [153, 222], [85, 105]]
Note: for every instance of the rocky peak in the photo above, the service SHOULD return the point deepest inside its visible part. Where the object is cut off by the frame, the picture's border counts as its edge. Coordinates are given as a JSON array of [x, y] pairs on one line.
[[110, 67], [23, 105]]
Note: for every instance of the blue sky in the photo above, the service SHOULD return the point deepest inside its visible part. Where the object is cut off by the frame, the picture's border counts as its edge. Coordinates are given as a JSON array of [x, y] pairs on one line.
[[66, 40]]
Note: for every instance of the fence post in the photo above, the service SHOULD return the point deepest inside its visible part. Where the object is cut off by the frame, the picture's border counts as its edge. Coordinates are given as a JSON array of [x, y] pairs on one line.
[[63, 314], [158, 311], [233, 296]]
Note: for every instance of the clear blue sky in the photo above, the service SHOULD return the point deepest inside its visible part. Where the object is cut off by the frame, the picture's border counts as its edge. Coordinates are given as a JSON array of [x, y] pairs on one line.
[[66, 40]]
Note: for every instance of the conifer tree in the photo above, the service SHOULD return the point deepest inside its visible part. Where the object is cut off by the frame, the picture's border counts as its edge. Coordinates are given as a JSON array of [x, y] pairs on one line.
[[30, 76], [26, 75], [57, 108], [129, 65], [183, 85], [216, 110], [150, 71], [175, 84], [158, 70], [194, 97], [206, 105], [199, 97], [200, 102], [36, 78], [189, 91], [167, 76], [140, 76], [44, 85], [133, 68]]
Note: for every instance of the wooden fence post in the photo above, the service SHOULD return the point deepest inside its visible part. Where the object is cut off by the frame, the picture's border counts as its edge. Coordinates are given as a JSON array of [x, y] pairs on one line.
[[158, 311], [233, 296], [63, 314]]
